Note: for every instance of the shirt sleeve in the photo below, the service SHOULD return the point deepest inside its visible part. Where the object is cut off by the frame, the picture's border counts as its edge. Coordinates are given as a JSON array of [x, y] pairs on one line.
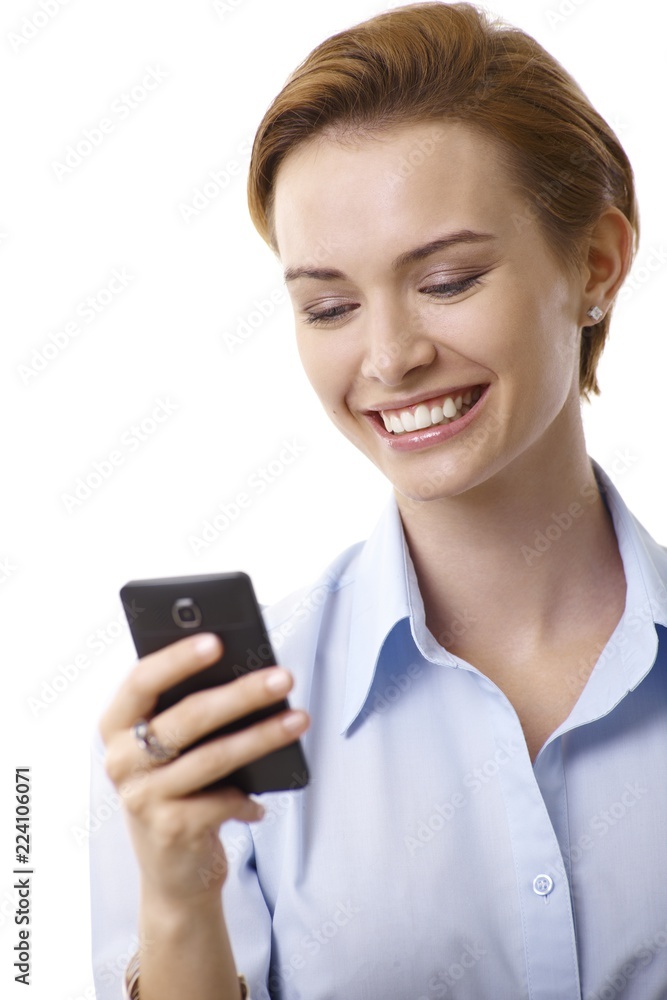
[[114, 883], [114, 889]]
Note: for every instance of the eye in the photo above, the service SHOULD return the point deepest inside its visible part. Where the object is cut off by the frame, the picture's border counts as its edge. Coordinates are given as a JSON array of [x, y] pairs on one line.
[[449, 289], [328, 315]]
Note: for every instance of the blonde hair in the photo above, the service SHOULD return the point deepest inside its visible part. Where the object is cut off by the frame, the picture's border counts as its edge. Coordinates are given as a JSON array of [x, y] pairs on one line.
[[433, 61]]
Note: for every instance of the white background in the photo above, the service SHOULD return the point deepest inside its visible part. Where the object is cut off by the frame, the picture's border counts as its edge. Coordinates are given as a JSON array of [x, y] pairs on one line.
[[163, 337]]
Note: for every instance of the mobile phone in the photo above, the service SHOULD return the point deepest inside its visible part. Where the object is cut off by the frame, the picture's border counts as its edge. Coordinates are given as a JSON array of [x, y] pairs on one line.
[[162, 611]]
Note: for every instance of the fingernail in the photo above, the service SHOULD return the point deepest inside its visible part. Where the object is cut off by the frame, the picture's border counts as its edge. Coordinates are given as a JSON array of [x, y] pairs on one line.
[[205, 643], [293, 721], [277, 679]]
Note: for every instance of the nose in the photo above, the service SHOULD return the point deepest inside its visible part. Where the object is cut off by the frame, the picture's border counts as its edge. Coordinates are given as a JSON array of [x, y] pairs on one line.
[[395, 343]]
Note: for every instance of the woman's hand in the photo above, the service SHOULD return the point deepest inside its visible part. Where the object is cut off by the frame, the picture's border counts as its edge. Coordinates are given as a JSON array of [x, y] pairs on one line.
[[174, 827]]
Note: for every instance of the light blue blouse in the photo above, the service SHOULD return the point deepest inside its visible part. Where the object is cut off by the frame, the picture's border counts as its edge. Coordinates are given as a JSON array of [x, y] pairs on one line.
[[429, 857]]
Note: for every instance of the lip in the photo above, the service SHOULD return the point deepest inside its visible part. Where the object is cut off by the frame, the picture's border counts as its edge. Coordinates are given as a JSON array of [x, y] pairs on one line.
[[432, 398], [429, 436]]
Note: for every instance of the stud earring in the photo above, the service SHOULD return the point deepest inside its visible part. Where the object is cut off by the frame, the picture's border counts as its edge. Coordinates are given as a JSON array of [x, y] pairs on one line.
[[595, 313]]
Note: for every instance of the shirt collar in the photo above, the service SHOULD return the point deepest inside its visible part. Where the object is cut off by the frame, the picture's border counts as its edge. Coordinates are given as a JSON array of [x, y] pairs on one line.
[[386, 592], [633, 645], [639, 551], [380, 600]]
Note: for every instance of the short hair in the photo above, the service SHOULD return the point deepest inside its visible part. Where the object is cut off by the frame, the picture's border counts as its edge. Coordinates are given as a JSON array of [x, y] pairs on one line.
[[435, 61]]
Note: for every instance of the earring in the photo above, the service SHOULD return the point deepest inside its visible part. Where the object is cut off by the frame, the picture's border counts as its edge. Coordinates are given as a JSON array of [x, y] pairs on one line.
[[595, 313]]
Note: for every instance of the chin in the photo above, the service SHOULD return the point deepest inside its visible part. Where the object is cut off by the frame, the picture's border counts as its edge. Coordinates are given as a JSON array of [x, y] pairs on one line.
[[437, 484]]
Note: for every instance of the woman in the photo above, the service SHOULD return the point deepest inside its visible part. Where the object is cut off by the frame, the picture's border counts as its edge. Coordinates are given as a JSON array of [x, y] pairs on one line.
[[484, 679]]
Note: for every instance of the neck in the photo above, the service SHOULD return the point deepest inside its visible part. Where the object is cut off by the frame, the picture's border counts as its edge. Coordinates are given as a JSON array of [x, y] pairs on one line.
[[519, 559]]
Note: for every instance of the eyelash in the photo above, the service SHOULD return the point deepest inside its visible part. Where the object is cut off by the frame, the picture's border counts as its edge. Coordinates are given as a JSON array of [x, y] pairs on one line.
[[322, 318], [454, 287], [444, 290]]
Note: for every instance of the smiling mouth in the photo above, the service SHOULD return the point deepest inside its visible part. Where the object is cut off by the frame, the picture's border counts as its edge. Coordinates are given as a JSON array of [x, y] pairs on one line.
[[434, 413]]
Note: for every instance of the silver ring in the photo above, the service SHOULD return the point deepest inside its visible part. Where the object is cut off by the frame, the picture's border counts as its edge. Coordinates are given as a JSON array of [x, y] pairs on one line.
[[149, 742]]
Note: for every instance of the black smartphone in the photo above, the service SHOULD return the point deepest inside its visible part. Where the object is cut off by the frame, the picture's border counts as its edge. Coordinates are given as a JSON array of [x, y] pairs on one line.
[[163, 610]]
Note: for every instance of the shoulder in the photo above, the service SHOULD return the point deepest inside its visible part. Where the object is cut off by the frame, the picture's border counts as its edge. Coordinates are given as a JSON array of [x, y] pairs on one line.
[[307, 602], [312, 622]]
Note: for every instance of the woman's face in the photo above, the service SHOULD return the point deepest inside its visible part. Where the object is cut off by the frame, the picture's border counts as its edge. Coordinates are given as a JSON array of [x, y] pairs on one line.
[[472, 341]]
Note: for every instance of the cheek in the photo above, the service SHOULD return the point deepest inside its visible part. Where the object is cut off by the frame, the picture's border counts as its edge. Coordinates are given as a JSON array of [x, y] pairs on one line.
[[526, 334], [324, 379], [327, 364]]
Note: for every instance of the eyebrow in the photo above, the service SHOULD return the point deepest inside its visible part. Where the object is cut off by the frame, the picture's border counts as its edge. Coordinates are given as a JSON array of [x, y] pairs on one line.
[[409, 257]]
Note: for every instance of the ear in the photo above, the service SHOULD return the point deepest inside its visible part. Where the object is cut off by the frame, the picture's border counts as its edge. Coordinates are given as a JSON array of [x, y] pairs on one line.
[[610, 250]]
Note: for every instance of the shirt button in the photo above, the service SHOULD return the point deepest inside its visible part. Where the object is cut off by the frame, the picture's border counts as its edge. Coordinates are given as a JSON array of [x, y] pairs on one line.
[[543, 884]]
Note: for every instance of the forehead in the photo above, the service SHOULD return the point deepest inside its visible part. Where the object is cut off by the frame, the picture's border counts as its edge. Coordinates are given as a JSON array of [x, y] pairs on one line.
[[334, 189]]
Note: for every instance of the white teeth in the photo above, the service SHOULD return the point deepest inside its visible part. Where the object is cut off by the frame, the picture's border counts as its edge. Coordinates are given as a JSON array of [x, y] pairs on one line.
[[422, 417], [405, 421]]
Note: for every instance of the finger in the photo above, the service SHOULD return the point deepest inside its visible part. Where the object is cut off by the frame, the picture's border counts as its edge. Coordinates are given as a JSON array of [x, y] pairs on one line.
[[208, 809], [193, 717], [226, 803], [204, 711], [184, 819], [155, 673], [220, 757], [126, 763]]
